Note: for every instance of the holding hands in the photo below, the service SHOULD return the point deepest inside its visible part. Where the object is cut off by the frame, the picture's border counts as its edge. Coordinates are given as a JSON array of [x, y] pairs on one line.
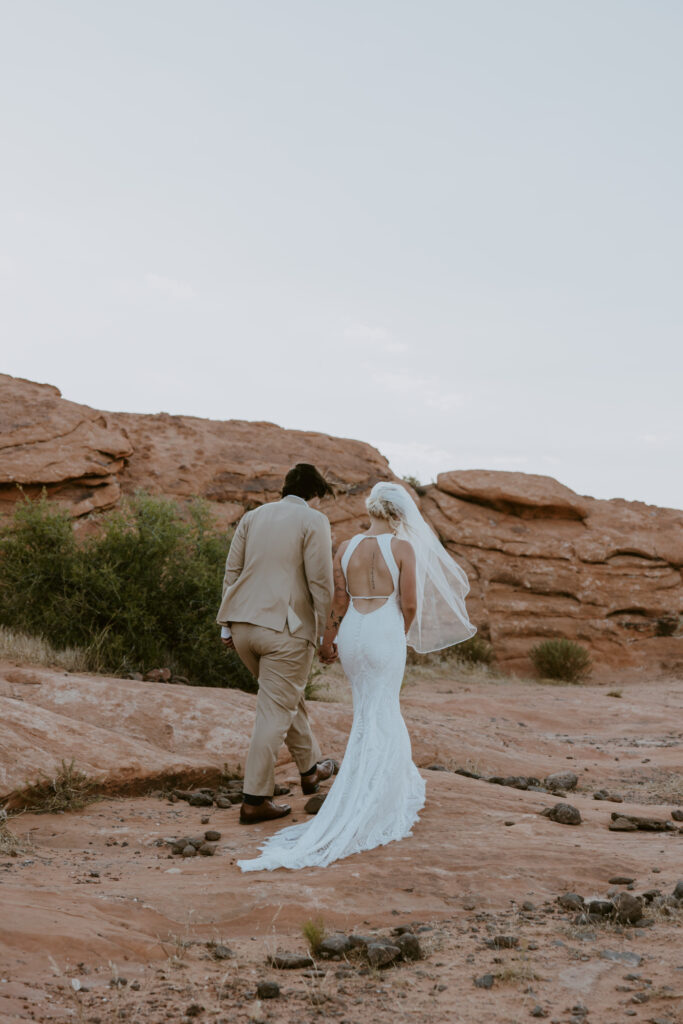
[[327, 653]]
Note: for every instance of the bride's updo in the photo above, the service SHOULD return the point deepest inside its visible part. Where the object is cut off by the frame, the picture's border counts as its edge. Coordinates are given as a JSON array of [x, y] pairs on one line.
[[379, 504]]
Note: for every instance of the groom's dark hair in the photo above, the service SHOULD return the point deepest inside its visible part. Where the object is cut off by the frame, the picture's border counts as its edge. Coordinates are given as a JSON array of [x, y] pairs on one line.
[[305, 482]]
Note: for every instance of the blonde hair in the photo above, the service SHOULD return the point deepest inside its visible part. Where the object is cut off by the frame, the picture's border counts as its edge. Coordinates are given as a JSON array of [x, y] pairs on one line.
[[382, 508]]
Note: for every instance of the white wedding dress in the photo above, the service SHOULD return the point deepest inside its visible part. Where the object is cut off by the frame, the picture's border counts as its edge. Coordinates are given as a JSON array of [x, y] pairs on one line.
[[378, 793]]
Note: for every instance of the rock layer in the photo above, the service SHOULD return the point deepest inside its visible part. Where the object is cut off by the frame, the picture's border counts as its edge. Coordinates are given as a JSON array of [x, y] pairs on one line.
[[542, 560]]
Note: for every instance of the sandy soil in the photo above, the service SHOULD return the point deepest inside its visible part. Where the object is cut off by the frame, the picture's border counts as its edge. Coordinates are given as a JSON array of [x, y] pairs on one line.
[[95, 895]]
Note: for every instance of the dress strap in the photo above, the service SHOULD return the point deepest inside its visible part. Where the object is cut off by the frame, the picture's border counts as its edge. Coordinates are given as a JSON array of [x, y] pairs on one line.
[[384, 541], [352, 545]]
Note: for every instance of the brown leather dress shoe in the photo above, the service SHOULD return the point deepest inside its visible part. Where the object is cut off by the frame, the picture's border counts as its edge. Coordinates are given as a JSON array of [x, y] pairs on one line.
[[325, 770], [251, 814]]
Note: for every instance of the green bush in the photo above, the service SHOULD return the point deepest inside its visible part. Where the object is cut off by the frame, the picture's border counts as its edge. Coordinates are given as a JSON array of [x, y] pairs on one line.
[[475, 651], [141, 593], [561, 659]]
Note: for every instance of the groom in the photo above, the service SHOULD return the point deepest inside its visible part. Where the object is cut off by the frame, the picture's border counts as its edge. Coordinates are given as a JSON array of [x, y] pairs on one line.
[[278, 582]]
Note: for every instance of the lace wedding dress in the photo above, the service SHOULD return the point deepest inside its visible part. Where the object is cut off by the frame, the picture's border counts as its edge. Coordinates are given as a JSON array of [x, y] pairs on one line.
[[378, 793]]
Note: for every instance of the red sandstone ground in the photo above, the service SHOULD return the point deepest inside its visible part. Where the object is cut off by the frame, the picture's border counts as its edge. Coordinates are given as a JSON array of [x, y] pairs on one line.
[[91, 896]]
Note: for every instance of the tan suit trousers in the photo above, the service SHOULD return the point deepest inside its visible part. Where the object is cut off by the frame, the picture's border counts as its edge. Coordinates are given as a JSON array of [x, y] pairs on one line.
[[281, 663]]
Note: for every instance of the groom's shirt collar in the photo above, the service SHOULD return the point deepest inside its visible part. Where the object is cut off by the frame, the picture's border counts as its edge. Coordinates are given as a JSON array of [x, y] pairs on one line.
[[294, 497]]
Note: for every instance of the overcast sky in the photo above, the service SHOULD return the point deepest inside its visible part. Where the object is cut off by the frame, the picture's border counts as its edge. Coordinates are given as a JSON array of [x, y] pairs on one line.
[[452, 229]]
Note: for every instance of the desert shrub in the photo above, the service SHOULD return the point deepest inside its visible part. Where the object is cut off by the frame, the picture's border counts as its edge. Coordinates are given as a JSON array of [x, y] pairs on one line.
[[314, 933], [141, 593], [475, 651], [68, 789], [416, 484], [561, 659]]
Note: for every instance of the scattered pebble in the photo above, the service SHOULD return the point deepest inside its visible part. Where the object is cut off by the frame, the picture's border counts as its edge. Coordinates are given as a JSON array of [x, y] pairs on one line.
[[268, 990], [564, 814]]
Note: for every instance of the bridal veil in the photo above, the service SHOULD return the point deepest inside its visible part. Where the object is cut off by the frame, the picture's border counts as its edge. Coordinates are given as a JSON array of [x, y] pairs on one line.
[[441, 619]]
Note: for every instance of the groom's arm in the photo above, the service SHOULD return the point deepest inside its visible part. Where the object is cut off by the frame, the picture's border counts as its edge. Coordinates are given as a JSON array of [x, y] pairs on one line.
[[235, 560], [318, 567]]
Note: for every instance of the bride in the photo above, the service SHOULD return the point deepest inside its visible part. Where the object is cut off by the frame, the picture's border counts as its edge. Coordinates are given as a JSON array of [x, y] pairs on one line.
[[394, 585]]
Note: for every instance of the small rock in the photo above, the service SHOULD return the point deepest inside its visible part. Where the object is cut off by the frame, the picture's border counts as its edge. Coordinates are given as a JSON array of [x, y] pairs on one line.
[[467, 774], [380, 954], [645, 824], [437, 768], [565, 814], [620, 824], [409, 945], [205, 819], [503, 942], [194, 1010], [212, 836], [313, 805], [190, 850], [678, 891], [158, 675], [135, 985], [600, 908], [621, 880], [622, 957], [223, 802], [571, 901], [334, 947], [538, 1011], [629, 909], [484, 981], [200, 800], [516, 781], [118, 982], [360, 941], [528, 906], [677, 814], [268, 990], [221, 952], [207, 849], [564, 780], [290, 961]]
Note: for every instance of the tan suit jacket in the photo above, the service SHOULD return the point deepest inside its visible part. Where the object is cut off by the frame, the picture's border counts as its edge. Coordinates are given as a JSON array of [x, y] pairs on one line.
[[279, 569]]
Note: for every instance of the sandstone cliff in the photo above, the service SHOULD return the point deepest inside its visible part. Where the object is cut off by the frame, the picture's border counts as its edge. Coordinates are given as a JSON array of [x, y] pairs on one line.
[[542, 560]]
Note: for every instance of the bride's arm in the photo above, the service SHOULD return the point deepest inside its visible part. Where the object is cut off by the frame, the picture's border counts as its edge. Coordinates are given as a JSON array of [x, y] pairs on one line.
[[340, 604], [407, 583]]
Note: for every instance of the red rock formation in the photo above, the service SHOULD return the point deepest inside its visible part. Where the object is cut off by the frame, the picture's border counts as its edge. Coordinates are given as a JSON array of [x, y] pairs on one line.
[[542, 560], [74, 452], [86, 459]]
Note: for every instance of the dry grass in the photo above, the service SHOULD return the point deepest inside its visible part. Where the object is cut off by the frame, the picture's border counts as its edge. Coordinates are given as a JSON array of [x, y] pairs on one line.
[[10, 843], [314, 933], [69, 789], [33, 650]]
